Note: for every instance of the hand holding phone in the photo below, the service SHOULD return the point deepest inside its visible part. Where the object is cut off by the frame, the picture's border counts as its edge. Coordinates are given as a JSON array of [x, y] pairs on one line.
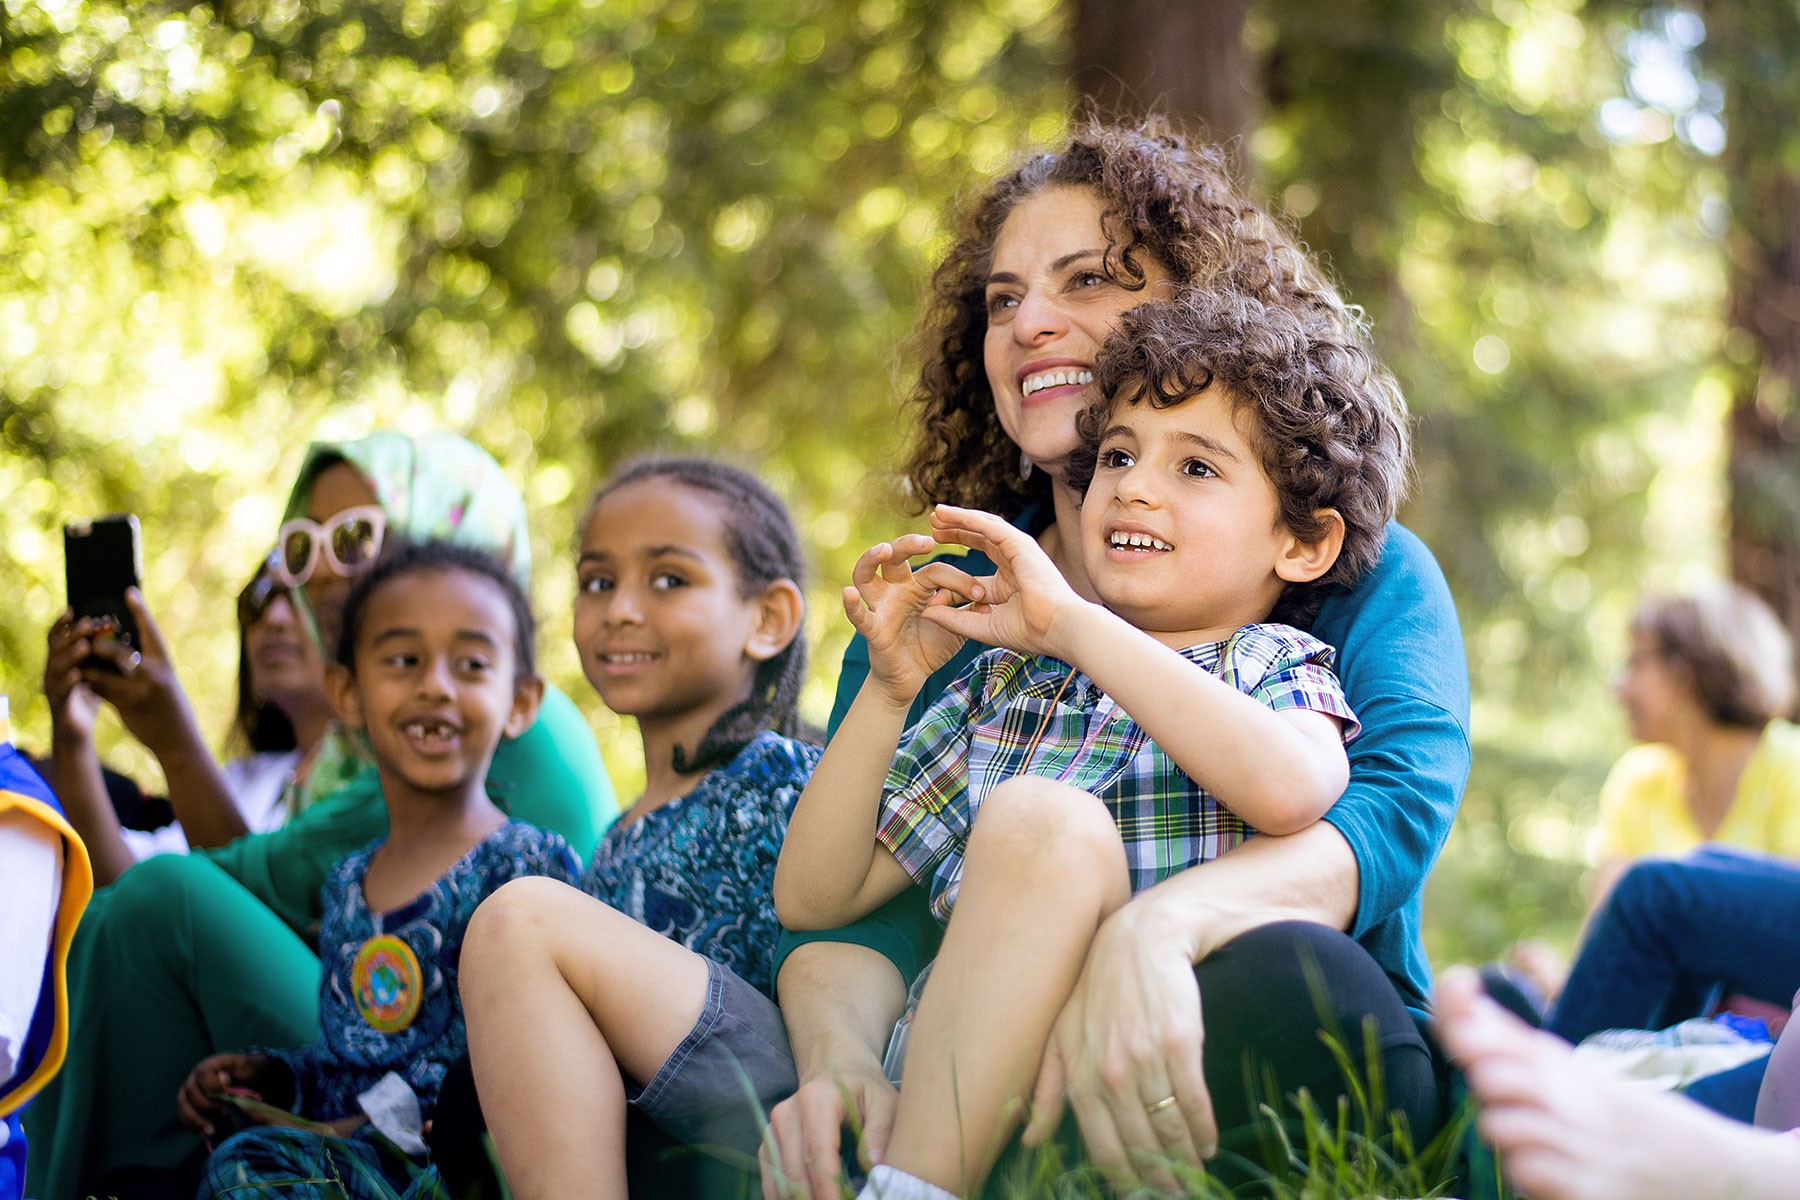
[[102, 558]]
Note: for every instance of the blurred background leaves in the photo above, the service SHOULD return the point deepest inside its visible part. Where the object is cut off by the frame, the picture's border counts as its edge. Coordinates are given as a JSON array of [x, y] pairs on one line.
[[578, 230]]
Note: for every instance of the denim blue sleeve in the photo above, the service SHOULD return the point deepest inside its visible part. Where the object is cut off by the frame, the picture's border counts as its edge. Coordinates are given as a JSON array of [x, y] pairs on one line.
[[1400, 657]]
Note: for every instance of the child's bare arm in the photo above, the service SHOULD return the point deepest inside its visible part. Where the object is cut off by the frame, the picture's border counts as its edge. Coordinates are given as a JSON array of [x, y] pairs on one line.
[[1278, 770], [831, 871]]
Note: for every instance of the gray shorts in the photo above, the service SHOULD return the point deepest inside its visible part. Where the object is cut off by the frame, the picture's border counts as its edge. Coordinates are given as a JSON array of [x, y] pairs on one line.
[[716, 1089]]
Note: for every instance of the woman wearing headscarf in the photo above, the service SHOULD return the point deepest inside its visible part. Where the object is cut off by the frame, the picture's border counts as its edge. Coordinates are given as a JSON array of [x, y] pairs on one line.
[[186, 955]]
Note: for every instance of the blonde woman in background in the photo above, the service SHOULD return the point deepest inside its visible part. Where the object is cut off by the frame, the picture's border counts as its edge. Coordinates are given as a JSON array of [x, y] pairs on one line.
[[1707, 687]]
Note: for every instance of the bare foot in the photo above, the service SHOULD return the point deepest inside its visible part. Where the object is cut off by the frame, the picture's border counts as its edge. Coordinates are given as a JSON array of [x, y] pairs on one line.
[[1566, 1131]]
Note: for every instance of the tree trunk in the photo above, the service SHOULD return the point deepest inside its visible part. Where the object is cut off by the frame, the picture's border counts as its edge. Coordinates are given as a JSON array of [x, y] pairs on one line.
[[1182, 57], [1752, 46]]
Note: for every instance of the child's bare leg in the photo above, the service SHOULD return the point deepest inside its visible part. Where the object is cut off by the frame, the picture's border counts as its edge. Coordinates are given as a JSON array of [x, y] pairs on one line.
[[1566, 1131], [1044, 868], [564, 998]]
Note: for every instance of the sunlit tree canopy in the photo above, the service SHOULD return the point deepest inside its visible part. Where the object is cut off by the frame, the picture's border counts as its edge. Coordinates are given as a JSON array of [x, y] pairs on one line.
[[579, 230]]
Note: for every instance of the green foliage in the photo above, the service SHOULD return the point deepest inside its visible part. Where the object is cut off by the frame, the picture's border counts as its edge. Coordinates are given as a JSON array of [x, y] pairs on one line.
[[576, 232], [1549, 287], [581, 229]]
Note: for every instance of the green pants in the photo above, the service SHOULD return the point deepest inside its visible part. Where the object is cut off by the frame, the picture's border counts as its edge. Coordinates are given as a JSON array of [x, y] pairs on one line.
[[186, 956], [186, 962]]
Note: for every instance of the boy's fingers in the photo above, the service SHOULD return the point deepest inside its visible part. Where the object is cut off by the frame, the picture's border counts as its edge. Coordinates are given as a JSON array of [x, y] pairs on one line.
[[867, 564], [910, 545], [961, 585], [878, 1125]]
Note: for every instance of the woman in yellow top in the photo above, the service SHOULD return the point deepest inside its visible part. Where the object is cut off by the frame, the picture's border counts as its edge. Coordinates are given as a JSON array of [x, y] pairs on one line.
[[1706, 687]]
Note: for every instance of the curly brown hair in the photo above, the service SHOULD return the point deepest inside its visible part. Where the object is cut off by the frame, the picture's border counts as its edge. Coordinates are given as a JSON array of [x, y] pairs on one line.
[[1164, 197], [1326, 419]]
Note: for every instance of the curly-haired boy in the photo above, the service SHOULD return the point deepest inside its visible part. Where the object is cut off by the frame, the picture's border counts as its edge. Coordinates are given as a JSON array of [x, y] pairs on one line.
[[1245, 455]]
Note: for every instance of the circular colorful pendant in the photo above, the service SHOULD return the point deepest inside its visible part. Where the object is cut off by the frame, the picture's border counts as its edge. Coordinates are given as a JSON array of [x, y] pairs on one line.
[[387, 983]]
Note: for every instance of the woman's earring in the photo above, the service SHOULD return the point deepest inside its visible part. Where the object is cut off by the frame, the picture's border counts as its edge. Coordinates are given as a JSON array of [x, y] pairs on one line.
[[1025, 465]]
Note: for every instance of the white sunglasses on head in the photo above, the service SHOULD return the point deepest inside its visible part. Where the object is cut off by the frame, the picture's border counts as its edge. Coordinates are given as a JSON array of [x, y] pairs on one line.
[[350, 541]]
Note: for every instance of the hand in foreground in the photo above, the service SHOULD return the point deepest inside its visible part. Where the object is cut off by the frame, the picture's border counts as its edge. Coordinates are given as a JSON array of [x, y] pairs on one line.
[[259, 1073], [806, 1132], [142, 685], [885, 602], [1024, 604], [73, 705], [1126, 1054]]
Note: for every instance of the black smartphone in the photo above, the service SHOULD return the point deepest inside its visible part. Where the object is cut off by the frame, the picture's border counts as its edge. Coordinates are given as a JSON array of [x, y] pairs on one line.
[[102, 559]]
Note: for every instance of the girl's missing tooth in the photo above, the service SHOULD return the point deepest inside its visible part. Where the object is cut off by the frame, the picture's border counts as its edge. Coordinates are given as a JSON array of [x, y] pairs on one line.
[[435, 667], [653, 988]]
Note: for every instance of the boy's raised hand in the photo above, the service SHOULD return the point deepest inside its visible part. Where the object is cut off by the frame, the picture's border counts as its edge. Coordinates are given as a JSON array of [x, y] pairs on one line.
[[885, 601], [1025, 601]]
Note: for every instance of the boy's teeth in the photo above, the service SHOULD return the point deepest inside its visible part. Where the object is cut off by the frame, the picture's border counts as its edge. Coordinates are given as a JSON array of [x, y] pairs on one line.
[[1140, 541], [1057, 378], [627, 658]]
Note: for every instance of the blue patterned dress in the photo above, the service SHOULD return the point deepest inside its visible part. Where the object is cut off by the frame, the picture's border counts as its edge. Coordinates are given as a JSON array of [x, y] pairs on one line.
[[388, 1004], [701, 869]]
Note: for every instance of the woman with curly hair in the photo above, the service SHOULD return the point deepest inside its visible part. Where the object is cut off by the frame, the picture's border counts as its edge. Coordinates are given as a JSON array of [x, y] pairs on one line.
[[1202, 990]]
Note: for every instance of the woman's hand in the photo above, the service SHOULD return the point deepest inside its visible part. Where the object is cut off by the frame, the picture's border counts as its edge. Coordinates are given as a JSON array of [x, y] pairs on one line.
[[886, 600], [257, 1072], [1126, 1053], [73, 706], [142, 685], [1026, 604]]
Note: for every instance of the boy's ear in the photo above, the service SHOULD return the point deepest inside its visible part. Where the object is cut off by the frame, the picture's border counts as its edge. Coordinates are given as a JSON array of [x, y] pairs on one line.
[[779, 611], [528, 696], [1303, 562], [340, 689]]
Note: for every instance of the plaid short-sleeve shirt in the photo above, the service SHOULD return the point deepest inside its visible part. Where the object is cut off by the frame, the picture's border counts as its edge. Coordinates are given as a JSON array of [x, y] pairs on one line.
[[980, 733]]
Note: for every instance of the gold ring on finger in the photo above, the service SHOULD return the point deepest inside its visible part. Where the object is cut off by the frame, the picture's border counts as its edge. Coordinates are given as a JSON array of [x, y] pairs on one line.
[[1165, 1102]]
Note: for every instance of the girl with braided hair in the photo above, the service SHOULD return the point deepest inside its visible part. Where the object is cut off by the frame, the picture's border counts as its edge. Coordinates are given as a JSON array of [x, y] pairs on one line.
[[649, 986]]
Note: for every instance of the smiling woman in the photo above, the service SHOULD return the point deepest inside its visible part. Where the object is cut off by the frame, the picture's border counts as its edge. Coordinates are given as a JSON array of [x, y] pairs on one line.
[[1215, 966]]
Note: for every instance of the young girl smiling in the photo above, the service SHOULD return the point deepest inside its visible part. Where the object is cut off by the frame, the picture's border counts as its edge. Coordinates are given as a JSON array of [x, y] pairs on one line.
[[652, 988], [435, 667]]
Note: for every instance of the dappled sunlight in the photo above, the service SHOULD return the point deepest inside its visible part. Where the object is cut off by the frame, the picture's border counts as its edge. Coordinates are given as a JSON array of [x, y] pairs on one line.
[[581, 232]]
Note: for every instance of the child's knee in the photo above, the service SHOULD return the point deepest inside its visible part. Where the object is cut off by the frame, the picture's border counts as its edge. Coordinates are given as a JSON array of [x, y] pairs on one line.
[[1032, 824], [522, 914]]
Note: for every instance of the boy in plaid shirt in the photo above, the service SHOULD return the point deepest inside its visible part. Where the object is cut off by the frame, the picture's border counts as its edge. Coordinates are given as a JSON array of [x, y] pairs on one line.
[[1104, 746]]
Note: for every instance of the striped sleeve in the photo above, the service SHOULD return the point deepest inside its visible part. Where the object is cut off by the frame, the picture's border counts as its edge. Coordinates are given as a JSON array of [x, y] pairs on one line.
[[1284, 668], [925, 802]]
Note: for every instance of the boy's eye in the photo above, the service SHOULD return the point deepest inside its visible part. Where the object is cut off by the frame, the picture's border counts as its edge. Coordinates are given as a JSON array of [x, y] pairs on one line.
[[667, 581], [1197, 469], [1115, 458], [400, 660], [473, 665], [596, 583]]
